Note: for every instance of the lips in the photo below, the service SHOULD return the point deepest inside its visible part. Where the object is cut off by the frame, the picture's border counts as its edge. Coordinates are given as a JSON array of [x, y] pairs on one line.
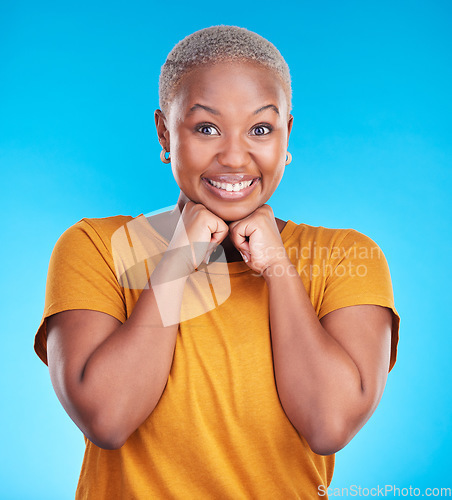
[[229, 187], [231, 178]]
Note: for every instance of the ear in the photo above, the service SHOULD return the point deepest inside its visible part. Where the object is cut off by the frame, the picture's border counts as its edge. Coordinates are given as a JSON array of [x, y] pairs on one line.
[[289, 128], [162, 129]]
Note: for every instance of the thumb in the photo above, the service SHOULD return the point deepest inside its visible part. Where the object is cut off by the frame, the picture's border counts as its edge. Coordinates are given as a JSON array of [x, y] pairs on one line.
[[219, 231], [218, 234], [240, 239], [244, 248]]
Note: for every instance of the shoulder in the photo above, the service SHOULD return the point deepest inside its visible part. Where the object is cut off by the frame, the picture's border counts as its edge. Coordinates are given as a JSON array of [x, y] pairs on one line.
[[97, 231], [103, 226], [333, 239]]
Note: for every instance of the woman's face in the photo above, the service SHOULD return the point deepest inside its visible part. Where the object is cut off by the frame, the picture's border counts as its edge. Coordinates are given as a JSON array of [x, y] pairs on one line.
[[227, 130]]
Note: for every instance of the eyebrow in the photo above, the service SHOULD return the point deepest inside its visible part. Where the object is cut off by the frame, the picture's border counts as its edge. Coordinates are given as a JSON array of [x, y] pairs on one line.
[[269, 106], [209, 110], [215, 112]]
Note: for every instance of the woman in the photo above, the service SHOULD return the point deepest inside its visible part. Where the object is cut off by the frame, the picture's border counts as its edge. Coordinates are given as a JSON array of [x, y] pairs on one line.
[[215, 351]]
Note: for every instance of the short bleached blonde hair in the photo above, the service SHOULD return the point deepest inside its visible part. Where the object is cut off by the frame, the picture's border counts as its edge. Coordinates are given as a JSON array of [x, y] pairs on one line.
[[219, 44]]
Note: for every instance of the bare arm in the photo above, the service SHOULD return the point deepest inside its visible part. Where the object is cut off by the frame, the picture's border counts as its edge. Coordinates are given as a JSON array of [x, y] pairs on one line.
[[109, 376], [331, 373]]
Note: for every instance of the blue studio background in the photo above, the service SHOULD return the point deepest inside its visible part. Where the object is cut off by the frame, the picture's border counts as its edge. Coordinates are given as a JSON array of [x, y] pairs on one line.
[[371, 150]]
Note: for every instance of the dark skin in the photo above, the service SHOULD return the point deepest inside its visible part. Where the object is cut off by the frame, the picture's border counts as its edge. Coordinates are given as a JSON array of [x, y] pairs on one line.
[[346, 353], [219, 148], [228, 122], [231, 252], [196, 154], [165, 224]]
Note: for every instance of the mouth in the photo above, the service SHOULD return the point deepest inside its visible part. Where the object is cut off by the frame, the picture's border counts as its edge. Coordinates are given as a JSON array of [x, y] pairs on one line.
[[228, 188]]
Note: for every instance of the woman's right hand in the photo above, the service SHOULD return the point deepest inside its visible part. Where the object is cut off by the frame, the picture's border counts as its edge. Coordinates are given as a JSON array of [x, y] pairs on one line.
[[108, 375], [198, 232]]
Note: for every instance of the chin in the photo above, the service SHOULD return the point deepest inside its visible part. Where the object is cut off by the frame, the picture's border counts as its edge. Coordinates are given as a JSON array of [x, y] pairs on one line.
[[232, 214]]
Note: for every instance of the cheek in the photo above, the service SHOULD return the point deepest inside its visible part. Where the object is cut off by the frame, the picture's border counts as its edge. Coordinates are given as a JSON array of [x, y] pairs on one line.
[[272, 159], [183, 160], [278, 175], [188, 154], [273, 170]]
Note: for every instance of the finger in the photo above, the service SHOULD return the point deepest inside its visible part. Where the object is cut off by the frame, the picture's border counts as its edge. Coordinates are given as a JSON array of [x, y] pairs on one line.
[[237, 231], [219, 231], [234, 224], [243, 247], [241, 236], [218, 234], [245, 256]]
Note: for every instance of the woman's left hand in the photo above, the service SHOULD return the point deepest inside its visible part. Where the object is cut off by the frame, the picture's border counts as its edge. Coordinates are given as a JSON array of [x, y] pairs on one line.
[[258, 239]]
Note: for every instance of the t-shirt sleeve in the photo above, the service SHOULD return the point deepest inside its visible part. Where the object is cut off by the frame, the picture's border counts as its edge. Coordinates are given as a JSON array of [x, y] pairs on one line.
[[81, 275], [358, 273]]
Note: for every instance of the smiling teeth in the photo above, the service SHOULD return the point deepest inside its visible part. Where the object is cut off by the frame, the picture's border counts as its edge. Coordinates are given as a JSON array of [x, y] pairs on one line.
[[231, 187]]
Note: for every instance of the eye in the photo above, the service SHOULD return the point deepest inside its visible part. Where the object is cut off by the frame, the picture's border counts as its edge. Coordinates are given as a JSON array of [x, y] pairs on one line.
[[261, 130], [207, 129]]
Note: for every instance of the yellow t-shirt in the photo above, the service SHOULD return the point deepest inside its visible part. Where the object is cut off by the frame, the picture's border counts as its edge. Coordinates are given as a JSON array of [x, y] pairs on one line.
[[219, 430]]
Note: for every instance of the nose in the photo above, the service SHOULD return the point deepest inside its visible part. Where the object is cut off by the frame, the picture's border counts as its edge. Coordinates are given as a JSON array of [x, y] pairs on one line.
[[234, 152]]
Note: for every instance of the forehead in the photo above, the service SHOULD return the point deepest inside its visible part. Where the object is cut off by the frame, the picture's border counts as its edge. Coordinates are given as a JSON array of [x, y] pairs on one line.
[[235, 86]]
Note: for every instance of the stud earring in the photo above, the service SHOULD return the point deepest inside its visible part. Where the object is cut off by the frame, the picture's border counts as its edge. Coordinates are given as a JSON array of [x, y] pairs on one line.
[[163, 157], [288, 158]]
